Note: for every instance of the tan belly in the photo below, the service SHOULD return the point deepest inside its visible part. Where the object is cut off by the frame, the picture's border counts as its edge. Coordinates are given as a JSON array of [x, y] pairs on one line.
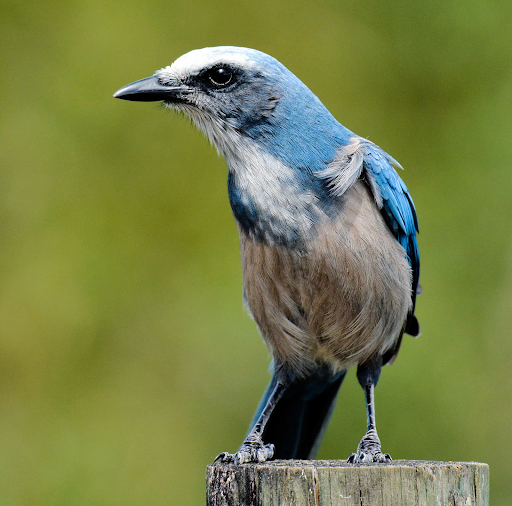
[[343, 302]]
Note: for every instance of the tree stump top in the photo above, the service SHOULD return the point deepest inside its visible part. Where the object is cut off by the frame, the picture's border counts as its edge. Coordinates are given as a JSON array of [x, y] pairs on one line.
[[336, 483]]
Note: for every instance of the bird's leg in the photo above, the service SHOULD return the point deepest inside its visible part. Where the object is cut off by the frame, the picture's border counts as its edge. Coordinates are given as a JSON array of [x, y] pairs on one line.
[[253, 448], [369, 449]]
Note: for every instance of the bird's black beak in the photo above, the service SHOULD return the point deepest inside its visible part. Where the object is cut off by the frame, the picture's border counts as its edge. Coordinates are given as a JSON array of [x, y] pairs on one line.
[[148, 90]]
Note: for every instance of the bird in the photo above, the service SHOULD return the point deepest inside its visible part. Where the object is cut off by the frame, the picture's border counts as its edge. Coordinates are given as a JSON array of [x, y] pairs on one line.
[[328, 240]]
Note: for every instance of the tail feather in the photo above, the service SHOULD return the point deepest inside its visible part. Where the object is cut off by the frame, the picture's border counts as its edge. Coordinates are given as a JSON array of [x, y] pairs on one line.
[[299, 419]]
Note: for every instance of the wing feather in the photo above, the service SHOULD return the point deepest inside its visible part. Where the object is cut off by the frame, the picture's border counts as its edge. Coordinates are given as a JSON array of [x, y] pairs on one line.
[[362, 158], [397, 204]]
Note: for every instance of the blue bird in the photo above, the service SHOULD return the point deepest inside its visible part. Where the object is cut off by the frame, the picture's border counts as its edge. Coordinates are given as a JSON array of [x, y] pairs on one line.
[[327, 232]]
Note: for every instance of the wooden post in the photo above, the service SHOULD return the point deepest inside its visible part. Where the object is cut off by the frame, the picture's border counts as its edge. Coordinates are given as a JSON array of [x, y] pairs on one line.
[[336, 483]]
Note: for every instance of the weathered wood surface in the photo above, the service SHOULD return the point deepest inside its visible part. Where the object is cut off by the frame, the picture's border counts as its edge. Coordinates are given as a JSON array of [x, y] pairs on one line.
[[336, 483]]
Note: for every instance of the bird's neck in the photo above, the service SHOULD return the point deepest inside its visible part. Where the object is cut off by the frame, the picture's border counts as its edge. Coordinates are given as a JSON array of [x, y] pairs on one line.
[[272, 202], [273, 190]]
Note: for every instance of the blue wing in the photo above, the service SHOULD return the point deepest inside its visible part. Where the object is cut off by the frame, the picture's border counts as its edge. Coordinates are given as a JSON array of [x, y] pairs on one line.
[[397, 205]]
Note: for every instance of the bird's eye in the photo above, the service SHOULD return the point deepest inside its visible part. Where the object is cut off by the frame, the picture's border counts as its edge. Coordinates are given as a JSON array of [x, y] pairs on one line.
[[220, 77]]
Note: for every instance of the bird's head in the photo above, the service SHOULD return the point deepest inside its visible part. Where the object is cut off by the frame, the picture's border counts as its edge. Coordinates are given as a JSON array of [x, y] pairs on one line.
[[235, 93]]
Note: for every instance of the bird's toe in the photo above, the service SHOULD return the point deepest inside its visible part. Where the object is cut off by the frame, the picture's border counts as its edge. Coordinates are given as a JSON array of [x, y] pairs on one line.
[[224, 457], [369, 451], [249, 452], [362, 457]]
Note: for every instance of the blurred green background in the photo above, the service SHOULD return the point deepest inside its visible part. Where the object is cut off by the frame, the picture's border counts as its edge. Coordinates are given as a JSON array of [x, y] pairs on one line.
[[126, 359]]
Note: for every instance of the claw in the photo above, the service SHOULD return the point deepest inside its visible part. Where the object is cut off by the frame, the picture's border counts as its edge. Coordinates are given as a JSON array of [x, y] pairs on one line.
[[369, 451], [368, 458], [250, 451], [222, 457]]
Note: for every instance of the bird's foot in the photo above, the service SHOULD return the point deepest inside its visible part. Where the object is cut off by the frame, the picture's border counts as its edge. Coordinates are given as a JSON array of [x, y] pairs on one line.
[[369, 450], [252, 450]]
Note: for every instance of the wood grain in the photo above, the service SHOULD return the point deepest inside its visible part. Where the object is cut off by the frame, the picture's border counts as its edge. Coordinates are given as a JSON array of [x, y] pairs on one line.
[[336, 483]]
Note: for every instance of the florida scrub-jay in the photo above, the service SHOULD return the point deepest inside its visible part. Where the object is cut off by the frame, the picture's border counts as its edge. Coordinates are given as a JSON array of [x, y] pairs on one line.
[[327, 239]]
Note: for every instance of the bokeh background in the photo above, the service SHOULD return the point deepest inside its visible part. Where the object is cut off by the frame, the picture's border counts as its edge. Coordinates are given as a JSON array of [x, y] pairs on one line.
[[126, 360]]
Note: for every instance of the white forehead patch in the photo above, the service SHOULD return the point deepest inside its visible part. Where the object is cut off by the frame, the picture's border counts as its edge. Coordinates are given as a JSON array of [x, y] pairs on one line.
[[198, 59]]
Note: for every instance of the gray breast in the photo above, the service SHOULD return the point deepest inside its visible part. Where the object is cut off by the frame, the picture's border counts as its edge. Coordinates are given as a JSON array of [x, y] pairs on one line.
[[342, 302]]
